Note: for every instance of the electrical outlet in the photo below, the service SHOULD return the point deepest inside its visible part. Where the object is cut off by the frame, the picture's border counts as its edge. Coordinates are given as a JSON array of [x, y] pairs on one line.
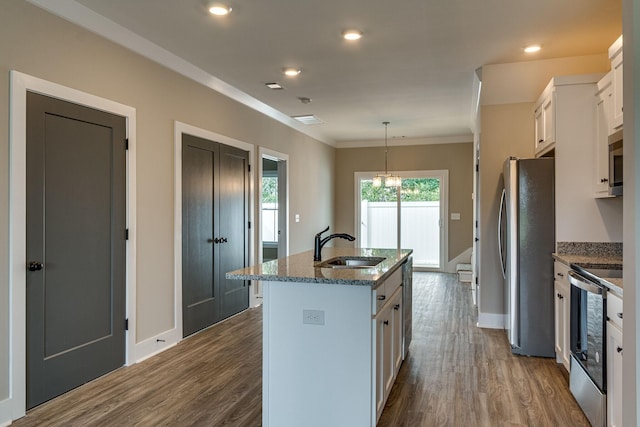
[[313, 317]]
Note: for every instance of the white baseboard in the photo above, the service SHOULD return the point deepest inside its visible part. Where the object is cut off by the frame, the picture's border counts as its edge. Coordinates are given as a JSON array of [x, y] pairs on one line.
[[9, 412], [491, 320], [157, 344]]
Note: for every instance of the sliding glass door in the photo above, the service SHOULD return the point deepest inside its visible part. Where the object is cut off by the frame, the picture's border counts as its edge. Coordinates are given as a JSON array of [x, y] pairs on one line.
[[410, 216]]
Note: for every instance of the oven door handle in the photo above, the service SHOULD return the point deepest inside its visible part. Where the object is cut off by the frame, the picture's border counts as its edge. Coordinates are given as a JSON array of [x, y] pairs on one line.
[[577, 280]]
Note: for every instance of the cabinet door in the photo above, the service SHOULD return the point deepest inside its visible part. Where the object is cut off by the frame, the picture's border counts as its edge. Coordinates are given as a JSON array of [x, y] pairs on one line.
[[539, 128], [565, 291], [616, 107], [559, 322], [614, 375], [545, 132], [549, 120], [383, 356], [601, 144], [397, 331], [562, 295]]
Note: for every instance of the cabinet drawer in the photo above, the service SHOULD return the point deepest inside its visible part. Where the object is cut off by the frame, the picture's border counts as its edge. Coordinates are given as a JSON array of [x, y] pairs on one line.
[[394, 281], [385, 290], [614, 309], [379, 297], [561, 272]]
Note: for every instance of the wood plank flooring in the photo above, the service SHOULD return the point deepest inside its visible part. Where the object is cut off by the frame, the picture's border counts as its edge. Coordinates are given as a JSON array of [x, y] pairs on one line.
[[455, 375]]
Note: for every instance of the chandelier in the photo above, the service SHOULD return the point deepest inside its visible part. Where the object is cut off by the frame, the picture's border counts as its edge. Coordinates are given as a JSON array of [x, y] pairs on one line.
[[386, 178]]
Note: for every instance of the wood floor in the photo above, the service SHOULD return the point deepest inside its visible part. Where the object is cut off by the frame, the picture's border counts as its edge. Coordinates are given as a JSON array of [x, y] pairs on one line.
[[455, 375]]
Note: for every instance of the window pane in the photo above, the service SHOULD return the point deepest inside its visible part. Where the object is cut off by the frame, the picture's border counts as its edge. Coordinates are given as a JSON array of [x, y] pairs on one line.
[[420, 216], [378, 216], [269, 208]]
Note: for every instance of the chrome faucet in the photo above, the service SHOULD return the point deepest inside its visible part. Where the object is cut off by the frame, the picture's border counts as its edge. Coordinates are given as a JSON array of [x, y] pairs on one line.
[[319, 243]]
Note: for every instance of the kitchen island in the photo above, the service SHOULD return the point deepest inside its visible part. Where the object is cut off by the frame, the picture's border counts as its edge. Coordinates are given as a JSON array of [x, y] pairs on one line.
[[333, 338]]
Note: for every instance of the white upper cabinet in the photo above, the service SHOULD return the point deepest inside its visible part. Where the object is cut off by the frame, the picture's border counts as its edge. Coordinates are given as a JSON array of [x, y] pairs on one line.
[[544, 116], [601, 142], [615, 54]]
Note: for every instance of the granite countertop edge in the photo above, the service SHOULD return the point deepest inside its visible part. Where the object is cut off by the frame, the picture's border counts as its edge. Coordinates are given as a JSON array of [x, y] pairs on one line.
[[595, 261], [590, 261], [300, 268]]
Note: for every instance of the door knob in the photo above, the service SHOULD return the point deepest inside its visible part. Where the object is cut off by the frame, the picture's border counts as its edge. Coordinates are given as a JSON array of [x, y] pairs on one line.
[[35, 266], [216, 240]]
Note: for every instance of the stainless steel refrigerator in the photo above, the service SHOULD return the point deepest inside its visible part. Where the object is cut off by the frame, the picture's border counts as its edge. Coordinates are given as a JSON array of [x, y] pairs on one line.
[[526, 239]]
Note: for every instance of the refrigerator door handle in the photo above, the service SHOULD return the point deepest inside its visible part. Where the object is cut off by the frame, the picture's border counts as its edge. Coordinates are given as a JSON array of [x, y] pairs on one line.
[[500, 248]]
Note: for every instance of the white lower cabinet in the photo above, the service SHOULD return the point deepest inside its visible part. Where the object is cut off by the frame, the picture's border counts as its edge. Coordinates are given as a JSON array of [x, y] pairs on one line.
[[614, 361], [397, 325], [562, 300], [389, 328]]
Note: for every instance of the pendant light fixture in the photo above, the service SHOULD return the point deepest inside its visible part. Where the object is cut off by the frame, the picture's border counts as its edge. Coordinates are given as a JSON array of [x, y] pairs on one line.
[[386, 178]]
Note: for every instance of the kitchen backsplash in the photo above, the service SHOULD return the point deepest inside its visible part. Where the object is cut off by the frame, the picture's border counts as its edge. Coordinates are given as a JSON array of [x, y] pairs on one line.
[[612, 249]]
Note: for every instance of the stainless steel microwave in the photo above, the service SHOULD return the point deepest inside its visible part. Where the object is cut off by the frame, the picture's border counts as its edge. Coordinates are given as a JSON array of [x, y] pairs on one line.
[[615, 163]]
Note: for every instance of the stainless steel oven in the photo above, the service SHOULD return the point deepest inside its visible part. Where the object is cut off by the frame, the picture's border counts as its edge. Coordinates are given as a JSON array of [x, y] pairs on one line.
[[588, 316], [615, 163]]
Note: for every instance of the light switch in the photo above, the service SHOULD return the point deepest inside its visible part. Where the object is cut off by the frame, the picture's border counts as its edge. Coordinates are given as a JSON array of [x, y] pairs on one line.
[[455, 216], [297, 217]]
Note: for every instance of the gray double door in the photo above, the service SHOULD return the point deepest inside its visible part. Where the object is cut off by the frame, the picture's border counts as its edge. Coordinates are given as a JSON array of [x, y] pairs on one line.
[[76, 253], [215, 231]]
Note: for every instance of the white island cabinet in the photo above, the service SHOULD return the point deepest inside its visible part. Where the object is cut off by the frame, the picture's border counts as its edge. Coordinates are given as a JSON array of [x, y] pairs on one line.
[[332, 337]]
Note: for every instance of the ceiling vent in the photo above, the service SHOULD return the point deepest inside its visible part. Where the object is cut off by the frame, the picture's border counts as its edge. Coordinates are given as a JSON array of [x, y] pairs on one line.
[[274, 85], [308, 119]]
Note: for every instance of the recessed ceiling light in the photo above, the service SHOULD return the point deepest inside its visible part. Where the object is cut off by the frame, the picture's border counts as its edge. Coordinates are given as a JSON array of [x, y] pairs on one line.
[[308, 119], [219, 9], [274, 85], [532, 48], [291, 72], [352, 35]]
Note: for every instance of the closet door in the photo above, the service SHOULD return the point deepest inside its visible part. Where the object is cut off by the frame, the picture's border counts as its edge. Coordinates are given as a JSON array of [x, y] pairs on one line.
[[200, 287], [234, 217], [215, 238]]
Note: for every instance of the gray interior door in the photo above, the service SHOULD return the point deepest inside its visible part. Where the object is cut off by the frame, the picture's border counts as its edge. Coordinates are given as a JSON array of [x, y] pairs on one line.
[[215, 236], [76, 207], [234, 212], [200, 204]]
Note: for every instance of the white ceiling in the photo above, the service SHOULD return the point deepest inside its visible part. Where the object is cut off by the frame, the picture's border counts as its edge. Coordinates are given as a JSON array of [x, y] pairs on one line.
[[413, 67]]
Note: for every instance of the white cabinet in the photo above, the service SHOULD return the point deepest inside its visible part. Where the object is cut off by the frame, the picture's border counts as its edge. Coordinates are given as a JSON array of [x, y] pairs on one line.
[[389, 327], [614, 360], [544, 117], [397, 325], [383, 358], [601, 141], [615, 54], [562, 292]]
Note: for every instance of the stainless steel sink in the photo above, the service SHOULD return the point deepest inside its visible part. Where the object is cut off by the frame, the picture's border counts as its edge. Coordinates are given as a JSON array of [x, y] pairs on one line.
[[351, 262]]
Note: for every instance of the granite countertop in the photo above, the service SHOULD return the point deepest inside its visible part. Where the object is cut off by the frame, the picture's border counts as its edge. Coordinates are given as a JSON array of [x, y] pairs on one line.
[[590, 261], [301, 268]]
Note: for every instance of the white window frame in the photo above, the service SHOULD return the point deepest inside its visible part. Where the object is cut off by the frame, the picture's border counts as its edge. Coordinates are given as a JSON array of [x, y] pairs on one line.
[[443, 176]]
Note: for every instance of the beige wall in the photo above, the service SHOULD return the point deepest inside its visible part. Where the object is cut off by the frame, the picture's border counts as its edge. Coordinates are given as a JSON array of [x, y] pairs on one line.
[[456, 158], [39, 44], [507, 130], [509, 92]]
